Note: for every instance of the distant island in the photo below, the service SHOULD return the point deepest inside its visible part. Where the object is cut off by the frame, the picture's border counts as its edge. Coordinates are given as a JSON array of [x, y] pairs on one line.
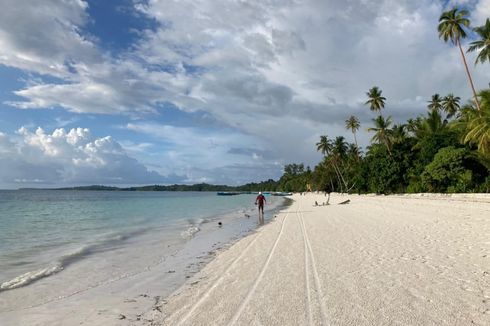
[[269, 185]]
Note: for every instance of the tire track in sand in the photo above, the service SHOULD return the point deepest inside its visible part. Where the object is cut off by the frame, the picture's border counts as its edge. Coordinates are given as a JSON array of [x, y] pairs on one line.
[[319, 292], [309, 315], [221, 278], [260, 277]]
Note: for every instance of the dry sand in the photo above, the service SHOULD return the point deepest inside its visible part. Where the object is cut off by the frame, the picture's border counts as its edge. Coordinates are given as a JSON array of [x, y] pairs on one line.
[[379, 260]]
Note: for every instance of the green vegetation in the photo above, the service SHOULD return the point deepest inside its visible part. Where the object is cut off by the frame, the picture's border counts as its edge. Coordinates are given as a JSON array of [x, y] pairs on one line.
[[446, 150]]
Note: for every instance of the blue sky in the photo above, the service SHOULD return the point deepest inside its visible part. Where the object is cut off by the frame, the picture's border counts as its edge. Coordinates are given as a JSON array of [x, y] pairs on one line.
[[140, 92]]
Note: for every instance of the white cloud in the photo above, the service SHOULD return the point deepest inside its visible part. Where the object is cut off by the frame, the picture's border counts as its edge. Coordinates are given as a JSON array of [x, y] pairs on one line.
[[68, 158], [44, 36], [278, 73]]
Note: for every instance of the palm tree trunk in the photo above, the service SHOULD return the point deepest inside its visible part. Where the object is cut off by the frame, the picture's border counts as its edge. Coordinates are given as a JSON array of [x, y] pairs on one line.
[[469, 76], [357, 147], [338, 176]]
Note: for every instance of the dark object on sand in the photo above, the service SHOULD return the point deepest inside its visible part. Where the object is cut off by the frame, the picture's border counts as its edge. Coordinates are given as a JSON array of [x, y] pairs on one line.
[[345, 202], [220, 224]]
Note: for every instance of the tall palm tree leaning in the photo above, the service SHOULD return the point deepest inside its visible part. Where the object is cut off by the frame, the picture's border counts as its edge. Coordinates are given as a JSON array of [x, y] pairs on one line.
[[483, 44], [375, 100], [353, 125], [451, 27]]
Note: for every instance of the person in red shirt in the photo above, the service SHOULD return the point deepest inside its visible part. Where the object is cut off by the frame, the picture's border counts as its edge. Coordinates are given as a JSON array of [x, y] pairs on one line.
[[260, 201]]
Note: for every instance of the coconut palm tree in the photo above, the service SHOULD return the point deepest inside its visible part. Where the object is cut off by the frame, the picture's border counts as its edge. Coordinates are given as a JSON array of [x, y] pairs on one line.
[[483, 44], [353, 152], [376, 101], [477, 126], [324, 145], [382, 132], [340, 147], [353, 125], [435, 103], [450, 105], [452, 24], [398, 133]]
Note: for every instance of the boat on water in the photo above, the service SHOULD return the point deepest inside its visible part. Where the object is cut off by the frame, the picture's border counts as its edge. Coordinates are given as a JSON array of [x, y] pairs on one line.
[[279, 193], [227, 193]]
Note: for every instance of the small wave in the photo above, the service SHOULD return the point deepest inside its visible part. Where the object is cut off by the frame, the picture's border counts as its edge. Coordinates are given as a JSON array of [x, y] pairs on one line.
[[64, 261], [202, 221], [30, 277], [190, 232]]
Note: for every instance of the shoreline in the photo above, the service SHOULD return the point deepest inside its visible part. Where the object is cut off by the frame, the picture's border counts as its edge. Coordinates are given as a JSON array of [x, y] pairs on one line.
[[126, 297], [380, 260]]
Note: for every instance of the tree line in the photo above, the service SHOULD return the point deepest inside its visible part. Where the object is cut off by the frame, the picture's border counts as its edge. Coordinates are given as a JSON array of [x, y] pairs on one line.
[[445, 150]]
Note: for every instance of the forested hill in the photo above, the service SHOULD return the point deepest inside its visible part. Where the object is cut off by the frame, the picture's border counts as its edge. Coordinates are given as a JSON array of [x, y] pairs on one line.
[[269, 185]]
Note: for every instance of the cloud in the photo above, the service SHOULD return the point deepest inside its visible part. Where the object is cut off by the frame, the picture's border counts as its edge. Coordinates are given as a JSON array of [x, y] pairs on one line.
[[44, 37], [199, 153], [68, 158], [275, 75]]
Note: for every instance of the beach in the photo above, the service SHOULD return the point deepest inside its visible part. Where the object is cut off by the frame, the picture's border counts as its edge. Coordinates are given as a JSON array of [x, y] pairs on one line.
[[378, 260]]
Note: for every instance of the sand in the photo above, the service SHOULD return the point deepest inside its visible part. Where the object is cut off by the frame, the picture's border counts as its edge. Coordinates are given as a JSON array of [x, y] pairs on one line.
[[378, 260]]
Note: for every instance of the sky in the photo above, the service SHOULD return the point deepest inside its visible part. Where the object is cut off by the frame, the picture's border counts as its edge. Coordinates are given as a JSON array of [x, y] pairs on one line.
[[133, 92]]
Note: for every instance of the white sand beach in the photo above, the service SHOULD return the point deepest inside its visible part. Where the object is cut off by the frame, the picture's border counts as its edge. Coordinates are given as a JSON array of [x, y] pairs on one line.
[[379, 260]]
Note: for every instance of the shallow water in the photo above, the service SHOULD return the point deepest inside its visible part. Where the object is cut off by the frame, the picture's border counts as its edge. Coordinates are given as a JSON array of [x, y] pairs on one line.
[[73, 240]]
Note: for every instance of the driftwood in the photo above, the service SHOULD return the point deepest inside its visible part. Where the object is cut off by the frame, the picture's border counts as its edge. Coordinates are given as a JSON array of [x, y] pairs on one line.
[[345, 202]]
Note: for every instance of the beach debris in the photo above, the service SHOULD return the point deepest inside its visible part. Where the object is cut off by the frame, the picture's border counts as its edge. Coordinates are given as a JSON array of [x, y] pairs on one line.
[[345, 202], [171, 271], [121, 317], [247, 215], [220, 224]]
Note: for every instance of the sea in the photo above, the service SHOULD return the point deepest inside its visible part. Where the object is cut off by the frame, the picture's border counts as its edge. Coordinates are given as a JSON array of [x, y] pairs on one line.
[[69, 239]]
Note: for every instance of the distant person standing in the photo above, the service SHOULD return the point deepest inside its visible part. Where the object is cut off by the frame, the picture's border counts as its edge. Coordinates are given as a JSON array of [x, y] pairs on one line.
[[260, 201]]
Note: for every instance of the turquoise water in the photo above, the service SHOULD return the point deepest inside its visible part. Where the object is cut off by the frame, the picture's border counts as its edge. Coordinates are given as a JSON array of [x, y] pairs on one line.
[[42, 232]]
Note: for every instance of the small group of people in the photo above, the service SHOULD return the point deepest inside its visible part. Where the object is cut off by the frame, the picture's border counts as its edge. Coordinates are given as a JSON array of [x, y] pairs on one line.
[[323, 204]]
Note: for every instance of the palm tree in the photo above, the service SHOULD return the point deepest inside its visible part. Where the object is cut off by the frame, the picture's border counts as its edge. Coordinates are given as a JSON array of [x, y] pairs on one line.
[[376, 102], [450, 105], [353, 125], [324, 145], [340, 147], [477, 126], [382, 132], [435, 103], [398, 133], [451, 27], [353, 151], [483, 44], [414, 124]]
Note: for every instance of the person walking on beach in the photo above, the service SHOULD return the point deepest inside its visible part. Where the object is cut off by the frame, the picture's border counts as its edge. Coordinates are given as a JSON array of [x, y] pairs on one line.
[[260, 201]]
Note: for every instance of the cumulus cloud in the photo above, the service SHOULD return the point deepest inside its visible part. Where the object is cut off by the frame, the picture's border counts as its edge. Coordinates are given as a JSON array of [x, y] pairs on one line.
[[68, 158]]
